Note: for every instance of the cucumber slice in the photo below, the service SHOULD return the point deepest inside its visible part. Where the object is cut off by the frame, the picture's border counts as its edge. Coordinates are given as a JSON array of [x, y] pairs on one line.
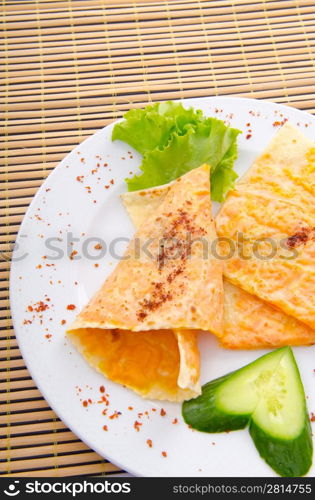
[[227, 403], [204, 414], [268, 395], [280, 426], [242, 391], [287, 457]]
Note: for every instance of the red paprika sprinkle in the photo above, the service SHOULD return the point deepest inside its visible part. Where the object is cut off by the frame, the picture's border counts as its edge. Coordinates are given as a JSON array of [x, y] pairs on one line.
[[115, 415], [40, 306], [136, 425], [73, 253]]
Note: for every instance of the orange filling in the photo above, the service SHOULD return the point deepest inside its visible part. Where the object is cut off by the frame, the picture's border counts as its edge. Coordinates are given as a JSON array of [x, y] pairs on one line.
[[139, 360]]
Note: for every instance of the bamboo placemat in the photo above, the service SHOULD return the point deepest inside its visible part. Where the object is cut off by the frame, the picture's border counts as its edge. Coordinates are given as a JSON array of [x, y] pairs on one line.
[[71, 67]]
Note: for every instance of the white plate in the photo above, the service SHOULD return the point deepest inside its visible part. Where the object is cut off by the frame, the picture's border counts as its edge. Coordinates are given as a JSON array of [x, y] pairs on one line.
[[63, 205]]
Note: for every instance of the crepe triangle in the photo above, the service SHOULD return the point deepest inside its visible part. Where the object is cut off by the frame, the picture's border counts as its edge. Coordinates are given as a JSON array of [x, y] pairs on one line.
[[140, 328], [272, 207]]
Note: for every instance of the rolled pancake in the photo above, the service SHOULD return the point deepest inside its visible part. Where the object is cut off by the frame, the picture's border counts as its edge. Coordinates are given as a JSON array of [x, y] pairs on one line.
[[140, 328], [249, 322], [275, 200]]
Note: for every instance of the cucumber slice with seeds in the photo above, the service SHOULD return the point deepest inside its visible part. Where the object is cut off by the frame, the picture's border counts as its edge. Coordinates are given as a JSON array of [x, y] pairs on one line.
[[268, 396]]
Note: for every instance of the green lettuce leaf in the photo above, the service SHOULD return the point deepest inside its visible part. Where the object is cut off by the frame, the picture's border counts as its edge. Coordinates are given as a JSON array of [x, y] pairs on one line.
[[174, 140], [224, 176], [150, 128]]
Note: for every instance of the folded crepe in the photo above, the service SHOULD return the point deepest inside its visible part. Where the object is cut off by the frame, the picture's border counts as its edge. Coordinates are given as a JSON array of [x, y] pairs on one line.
[[272, 209], [249, 322], [140, 328]]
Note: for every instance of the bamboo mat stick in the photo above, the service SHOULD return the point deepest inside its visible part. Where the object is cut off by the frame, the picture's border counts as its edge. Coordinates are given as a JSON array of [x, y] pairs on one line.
[[248, 22], [14, 385], [158, 33], [29, 440], [97, 85], [281, 8], [124, 7], [62, 460], [19, 407], [14, 374], [7, 331], [226, 22], [155, 62], [82, 470], [31, 428], [97, 46], [45, 450], [189, 91], [22, 61], [17, 201], [255, 29], [47, 5], [62, 137], [26, 418]]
